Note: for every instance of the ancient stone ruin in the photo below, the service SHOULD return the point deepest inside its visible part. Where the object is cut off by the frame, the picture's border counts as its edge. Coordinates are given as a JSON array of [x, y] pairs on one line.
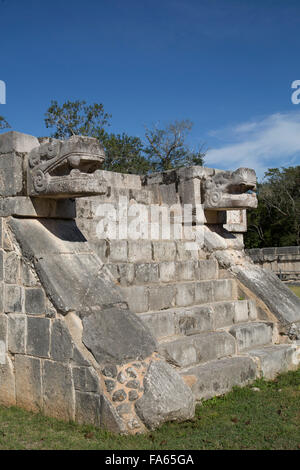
[[127, 299], [283, 261]]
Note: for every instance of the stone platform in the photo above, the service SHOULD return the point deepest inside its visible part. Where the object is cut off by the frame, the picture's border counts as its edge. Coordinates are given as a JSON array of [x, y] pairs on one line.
[[117, 307]]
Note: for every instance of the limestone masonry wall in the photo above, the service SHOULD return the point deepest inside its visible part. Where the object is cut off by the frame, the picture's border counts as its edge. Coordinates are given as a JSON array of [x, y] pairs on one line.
[[127, 330], [283, 261]]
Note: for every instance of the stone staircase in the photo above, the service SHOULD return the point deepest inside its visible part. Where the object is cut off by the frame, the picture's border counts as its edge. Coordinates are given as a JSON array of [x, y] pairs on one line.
[[213, 338]]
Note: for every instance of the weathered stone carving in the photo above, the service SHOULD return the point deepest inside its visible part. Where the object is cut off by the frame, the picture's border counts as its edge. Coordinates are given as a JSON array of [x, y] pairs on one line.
[[230, 190], [126, 334], [62, 169]]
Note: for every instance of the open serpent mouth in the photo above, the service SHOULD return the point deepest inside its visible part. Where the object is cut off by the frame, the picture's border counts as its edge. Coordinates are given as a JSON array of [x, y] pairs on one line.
[[77, 165], [242, 187], [71, 168]]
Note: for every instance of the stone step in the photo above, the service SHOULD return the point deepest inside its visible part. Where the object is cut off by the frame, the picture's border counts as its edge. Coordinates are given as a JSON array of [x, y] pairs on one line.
[[135, 274], [178, 294], [218, 377], [196, 349], [237, 311], [252, 334], [276, 359], [199, 318]]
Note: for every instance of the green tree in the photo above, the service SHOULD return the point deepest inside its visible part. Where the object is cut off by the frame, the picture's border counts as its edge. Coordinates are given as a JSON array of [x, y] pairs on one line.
[[166, 147], [3, 123], [77, 117], [276, 221], [124, 154]]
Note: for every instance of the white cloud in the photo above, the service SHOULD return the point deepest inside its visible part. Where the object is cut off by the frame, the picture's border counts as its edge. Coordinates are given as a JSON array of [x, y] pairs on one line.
[[268, 143]]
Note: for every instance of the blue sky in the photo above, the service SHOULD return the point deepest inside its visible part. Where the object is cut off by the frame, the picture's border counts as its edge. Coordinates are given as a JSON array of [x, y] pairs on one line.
[[227, 65]]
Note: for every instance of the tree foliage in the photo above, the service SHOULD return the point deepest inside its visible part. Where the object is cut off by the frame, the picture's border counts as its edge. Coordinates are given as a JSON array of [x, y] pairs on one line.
[[3, 123], [77, 117], [124, 154], [167, 148], [276, 221]]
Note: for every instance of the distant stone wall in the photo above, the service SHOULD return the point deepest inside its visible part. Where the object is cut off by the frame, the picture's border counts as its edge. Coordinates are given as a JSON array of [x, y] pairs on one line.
[[283, 261]]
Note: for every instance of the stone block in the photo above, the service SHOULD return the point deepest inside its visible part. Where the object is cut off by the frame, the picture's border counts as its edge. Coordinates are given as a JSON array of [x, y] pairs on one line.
[[101, 248], [137, 298], [190, 192], [13, 298], [22, 206], [1, 264], [142, 196], [12, 268], [1, 232], [18, 142], [146, 273], [126, 274], [7, 383], [182, 253], [61, 273], [38, 336], [35, 301], [85, 379], [110, 420], [117, 336], [3, 328], [186, 270], [118, 251], [168, 194], [213, 241], [164, 251], [179, 353], [204, 347], [161, 297], [167, 271], [194, 320], [113, 270], [207, 269], [252, 310], [224, 289], [236, 221], [28, 276], [185, 294], [11, 175], [252, 334], [78, 358], [203, 292], [166, 397], [28, 383], [266, 286], [220, 376], [58, 391], [17, 333], [1, 297], [61, 341], [241, 313], [160, 323], [139, 251], [275, 360], [7, 241], [224, 314], [88, 408]]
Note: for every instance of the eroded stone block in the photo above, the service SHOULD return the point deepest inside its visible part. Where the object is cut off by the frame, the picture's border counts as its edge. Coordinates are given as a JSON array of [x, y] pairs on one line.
[[17, 333], [38, 336], [166, 396], [58, 390], [28, 383], [35, 301]]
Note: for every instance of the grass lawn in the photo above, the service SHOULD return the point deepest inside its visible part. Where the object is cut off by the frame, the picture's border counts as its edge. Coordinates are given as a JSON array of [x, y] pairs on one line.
[[243, 419], [296, 290]]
